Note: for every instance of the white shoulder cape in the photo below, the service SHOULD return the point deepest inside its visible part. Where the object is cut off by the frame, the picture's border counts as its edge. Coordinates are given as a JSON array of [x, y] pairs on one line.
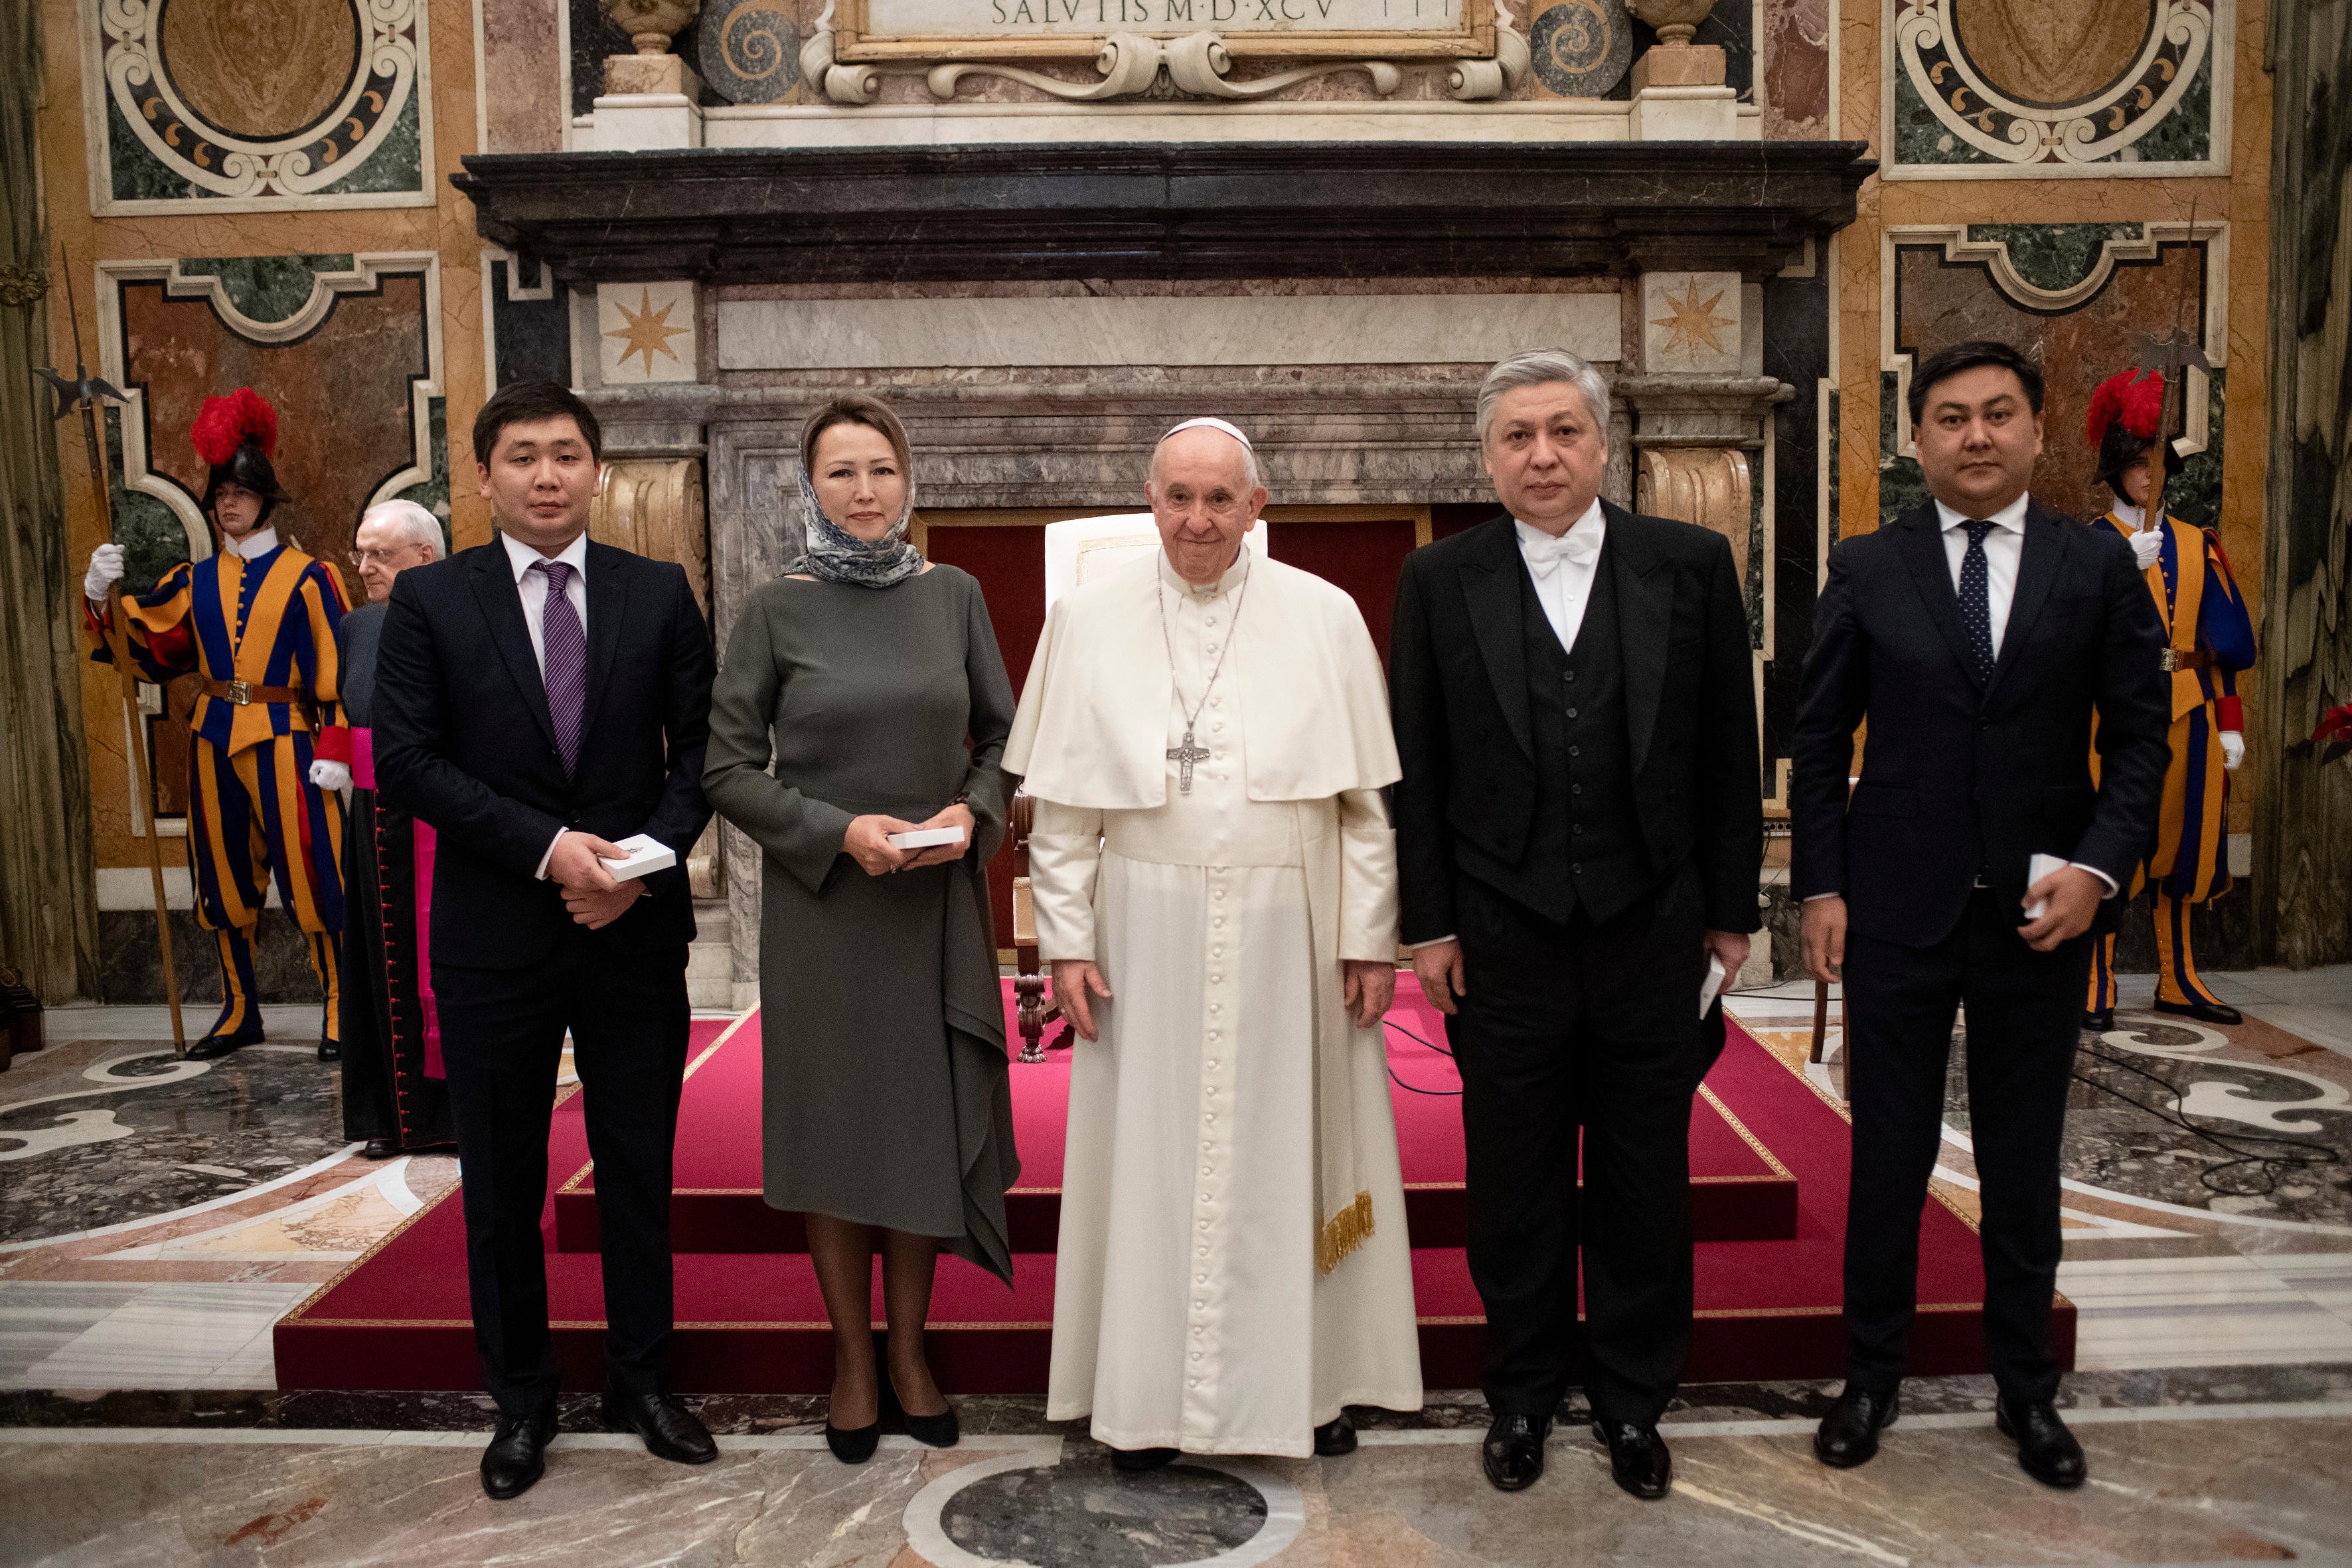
[[1092, 727]]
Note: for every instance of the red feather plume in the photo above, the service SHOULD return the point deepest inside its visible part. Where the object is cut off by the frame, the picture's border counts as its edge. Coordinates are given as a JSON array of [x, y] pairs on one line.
[[224, 424], [2139, 404]]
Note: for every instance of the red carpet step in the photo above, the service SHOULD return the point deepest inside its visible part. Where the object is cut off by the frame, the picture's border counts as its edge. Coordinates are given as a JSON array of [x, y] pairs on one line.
[[1739, 1192], [753, 1322]]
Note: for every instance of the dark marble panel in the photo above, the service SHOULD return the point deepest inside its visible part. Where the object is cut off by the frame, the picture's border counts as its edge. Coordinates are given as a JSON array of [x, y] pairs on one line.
[[534, 336], [1082, 1513], [195, 1131], [1167, 210], [131, 962], [1796, 350]]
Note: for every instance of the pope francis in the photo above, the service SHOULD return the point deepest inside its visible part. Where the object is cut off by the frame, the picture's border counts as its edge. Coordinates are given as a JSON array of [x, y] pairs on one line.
[[1206, 737]]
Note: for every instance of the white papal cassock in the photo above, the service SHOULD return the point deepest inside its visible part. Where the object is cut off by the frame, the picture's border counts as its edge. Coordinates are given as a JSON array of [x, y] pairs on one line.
[[1230, 1136]]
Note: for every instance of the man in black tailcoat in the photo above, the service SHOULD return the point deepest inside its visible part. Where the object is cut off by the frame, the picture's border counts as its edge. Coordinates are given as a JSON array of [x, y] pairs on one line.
[[1580, 828]]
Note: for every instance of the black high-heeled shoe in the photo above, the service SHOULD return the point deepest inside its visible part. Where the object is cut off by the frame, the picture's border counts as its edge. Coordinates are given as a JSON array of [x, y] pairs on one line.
[[854, 1445], [940, 1431]]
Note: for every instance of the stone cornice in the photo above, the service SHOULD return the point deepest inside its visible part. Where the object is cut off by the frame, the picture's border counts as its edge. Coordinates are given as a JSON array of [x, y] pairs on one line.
[[1166, 210]]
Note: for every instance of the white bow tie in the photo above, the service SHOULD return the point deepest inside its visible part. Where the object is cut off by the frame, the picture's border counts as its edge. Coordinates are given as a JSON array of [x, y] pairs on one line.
[[1581, 545]]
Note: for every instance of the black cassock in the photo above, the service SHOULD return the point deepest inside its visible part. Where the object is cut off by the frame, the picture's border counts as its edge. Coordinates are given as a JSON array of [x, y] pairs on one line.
[[393, 1083]]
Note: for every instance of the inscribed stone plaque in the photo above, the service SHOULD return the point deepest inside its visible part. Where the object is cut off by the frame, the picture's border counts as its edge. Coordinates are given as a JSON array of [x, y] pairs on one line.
[[1387, 28]]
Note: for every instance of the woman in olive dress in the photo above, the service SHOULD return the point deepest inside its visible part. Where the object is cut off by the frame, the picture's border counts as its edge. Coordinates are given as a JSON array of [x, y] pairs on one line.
[[863, 695]]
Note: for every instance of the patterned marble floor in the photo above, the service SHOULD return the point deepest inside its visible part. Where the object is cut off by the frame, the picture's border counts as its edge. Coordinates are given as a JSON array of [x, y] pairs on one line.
[[156, 1220]]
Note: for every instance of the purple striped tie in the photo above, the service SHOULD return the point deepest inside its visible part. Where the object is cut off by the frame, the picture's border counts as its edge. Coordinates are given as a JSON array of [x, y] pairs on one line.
[[563, 660]]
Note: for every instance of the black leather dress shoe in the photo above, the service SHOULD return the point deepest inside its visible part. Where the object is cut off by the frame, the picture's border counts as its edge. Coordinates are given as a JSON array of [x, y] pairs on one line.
[[517, 1456], [1134, 1459], [1335, 1437], [212, 1047], [2098, 1020], [1513, 1451], [1637, 1457], [2203, 1012], [1848, 1435], [2044, 1448], [671, 1431], [379, 1149]]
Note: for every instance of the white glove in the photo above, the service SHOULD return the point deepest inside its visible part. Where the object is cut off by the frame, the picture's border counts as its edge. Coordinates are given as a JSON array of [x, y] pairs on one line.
[[105, 571], [330, 775], [2148, 547], [2233, 750]]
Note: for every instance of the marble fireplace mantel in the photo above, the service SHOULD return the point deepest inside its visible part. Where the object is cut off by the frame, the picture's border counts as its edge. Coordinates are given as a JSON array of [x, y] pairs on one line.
[[1169, 210]]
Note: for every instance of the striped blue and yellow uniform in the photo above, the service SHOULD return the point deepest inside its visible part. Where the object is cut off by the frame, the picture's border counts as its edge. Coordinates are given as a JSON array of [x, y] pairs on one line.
[[267, 622], [2208, 630]]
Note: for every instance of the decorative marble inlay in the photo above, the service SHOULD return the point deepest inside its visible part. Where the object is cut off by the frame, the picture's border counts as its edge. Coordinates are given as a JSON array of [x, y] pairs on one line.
[[1690, 322], [301, 102], [1069, 1508], [2132, 86], [1582, 49], [749, 51], [649, 338]]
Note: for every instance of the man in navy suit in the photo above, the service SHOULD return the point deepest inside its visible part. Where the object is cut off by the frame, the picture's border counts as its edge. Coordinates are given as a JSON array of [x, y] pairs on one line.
[[536, 699], [1976, 636]]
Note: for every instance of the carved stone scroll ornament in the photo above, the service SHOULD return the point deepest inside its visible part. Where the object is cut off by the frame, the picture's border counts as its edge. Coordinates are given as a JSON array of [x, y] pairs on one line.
[[1710, 486], [1197, 64]]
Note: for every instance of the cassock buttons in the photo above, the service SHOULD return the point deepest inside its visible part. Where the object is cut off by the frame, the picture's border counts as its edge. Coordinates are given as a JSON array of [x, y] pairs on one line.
[[1571, 713]]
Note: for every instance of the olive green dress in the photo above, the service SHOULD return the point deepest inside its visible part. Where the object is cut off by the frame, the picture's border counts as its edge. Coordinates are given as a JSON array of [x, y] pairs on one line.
[[885, 1098]]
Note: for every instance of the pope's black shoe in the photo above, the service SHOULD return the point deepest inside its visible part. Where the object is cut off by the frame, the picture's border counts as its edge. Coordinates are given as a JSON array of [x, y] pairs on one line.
[[671, 1431], [2098, 1020], [2044, 1448], [1513, 1451], [1637, 1457], [2203, 1012], [1335, 1437], [517, 1456], [1134, 1459], [1848, 1435], [213, 1046]]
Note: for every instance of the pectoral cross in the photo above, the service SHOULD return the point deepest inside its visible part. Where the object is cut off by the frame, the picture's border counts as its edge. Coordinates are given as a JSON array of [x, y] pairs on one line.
[[1184, 756]]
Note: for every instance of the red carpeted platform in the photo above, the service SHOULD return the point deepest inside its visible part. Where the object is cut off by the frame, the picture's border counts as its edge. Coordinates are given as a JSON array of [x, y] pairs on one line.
[[752, 1321], [1739, 1192]]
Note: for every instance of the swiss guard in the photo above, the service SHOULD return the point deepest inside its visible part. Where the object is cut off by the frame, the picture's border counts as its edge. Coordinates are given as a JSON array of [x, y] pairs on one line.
[[255, 622], [2208, 639]]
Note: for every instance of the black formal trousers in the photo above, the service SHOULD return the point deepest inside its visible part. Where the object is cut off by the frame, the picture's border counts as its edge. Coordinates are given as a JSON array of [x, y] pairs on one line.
[[2024, 1012], [1570, 1027], [501, 1038]]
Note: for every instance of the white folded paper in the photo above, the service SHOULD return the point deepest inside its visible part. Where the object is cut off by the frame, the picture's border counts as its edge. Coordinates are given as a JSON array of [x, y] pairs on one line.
[[924, 837], [646, 855], [1713, 987], [2041, 865]]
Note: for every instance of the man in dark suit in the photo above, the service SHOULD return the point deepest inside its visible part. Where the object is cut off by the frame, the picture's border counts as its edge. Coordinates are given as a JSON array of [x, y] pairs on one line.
[[537, 698], [1578, 827], [1975, 634]]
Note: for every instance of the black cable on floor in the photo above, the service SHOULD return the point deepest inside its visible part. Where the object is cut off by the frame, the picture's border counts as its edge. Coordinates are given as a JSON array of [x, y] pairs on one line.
[[2270, 1165]]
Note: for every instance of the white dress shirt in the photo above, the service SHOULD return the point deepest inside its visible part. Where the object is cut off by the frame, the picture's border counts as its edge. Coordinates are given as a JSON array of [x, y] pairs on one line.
[[2004, 546], [1563, 569], [532, 587]]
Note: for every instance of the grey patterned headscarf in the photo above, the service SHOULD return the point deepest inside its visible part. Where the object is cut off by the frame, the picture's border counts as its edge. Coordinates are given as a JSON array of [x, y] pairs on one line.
[[833, 555]]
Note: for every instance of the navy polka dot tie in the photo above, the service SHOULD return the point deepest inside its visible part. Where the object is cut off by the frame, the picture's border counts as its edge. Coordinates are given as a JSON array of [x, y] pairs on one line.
[[1975, 604]]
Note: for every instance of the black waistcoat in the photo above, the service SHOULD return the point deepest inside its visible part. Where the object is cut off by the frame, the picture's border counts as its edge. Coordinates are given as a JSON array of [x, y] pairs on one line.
[[1584, 849]]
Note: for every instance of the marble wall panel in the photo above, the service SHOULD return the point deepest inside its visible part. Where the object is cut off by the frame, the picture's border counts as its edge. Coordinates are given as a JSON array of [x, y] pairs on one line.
[[1793, 59], [521, 90]]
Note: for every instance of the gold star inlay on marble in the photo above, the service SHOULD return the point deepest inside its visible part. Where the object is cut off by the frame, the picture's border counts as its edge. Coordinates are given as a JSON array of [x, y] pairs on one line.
[[1694, 322], [648, 331]]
